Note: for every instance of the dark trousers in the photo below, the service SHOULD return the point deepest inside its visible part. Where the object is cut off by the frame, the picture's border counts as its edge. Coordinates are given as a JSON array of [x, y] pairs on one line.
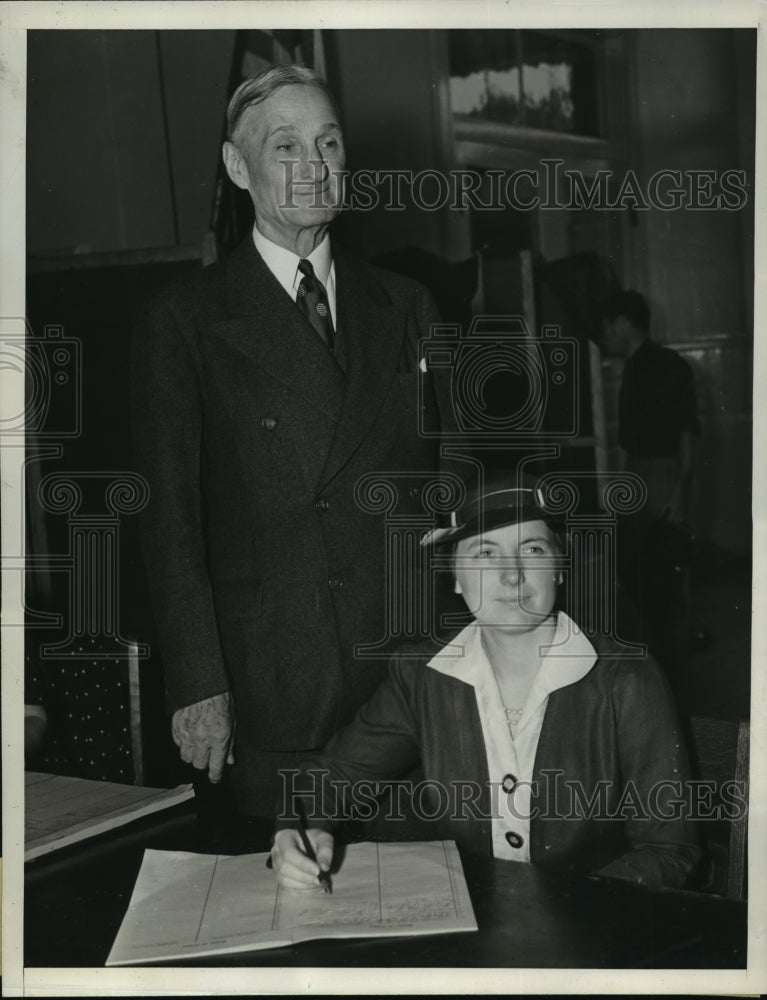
[[653, 568]]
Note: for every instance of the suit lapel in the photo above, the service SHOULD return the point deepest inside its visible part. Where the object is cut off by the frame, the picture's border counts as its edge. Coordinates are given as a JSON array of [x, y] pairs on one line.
[[373, 330], [267, 328], [284, 341]]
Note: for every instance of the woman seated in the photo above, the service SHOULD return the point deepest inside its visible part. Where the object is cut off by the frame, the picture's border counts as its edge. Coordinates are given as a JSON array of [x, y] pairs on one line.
[[537, 744]]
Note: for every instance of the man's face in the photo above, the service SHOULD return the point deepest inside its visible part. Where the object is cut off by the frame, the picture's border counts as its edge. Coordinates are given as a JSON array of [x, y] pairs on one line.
[[288, 152], [508, 576]]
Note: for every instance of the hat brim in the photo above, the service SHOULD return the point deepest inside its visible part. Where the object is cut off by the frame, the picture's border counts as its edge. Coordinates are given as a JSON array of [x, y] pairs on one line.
[[489, 522]]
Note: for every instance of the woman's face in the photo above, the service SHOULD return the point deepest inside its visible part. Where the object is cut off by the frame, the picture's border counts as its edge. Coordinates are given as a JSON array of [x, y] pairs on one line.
[[508, 576]]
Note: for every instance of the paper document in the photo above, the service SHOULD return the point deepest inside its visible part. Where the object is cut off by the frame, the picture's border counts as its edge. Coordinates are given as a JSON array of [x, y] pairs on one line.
[[60, 811], [191, 905]]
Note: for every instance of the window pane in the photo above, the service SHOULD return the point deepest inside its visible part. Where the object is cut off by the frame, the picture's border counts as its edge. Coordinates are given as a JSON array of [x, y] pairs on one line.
[[484, 75], [525, 78], [559, 84]]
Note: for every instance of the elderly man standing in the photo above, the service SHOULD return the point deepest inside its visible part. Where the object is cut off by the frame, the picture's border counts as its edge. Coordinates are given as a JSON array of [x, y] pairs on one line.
[[264, 388]]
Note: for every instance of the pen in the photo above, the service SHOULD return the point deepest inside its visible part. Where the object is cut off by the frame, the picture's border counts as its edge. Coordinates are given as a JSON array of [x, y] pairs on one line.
[[324, 877]]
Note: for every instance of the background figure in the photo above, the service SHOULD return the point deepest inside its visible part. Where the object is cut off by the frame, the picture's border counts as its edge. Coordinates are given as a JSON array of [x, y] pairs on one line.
[[263, 391], [657, 426]]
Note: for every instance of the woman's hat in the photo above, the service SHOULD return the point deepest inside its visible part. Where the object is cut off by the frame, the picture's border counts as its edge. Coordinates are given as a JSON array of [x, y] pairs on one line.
[[496, 505]]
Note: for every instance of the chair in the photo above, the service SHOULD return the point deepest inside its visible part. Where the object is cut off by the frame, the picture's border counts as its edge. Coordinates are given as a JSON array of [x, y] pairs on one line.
[[719, 753], [106, 716]]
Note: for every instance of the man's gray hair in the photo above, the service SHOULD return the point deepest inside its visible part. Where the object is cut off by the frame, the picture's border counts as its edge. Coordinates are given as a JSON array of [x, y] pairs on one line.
[[256, 89]]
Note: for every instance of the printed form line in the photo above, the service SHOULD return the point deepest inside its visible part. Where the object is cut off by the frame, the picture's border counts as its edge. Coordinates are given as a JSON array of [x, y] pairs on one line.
[[207, 897], [380, 892], [449, 866]]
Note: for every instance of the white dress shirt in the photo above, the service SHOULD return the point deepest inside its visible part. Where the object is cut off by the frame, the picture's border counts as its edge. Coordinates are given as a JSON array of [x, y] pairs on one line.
[[284, 266], [569, 658]]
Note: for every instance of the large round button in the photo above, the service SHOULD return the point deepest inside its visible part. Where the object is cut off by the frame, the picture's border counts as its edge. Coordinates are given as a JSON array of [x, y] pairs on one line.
[[322, 504], [514, 839], [268, 423], [509, 783], [334, 583]]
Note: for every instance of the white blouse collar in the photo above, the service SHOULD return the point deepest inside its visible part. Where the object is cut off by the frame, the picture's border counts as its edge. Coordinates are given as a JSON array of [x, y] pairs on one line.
[[569, 658]]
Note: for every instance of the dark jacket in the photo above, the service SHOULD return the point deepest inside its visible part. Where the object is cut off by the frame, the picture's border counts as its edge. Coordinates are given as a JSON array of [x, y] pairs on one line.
[[615, 726], [656, 403], [265, 562]]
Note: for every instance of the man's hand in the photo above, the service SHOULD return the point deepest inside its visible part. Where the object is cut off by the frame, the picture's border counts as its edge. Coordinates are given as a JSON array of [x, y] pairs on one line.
[[203, 733], [294, 870]]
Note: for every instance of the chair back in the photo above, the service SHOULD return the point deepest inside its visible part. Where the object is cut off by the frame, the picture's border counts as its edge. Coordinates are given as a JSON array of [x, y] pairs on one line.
[[719, 752]]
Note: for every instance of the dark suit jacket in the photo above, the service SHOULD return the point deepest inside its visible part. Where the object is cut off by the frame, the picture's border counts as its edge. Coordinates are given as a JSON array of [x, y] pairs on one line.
[[263, 567], [615, 728]]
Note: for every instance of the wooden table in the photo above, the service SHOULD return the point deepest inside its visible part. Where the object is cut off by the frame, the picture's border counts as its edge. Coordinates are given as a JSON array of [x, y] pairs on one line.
[[527, 916]]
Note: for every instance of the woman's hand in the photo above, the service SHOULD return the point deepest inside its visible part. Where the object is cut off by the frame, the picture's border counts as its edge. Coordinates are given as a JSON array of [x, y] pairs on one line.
[[294, 869]]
